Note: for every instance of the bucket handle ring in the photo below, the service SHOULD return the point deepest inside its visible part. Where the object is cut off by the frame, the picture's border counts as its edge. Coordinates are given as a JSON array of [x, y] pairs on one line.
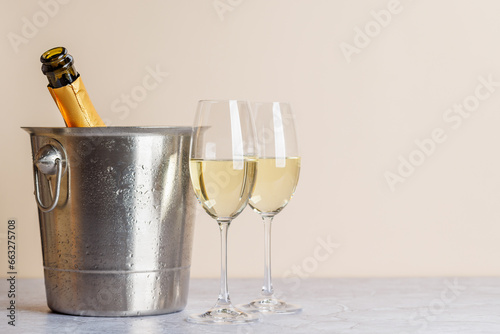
[[49, 161], [51, 207]]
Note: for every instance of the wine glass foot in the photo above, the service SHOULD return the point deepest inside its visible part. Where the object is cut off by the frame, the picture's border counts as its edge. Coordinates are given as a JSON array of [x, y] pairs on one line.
[[224, 316], [271, 306]]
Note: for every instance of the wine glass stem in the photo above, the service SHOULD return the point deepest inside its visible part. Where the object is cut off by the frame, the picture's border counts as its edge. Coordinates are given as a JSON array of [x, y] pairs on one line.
[[267, 288], [224, 292]]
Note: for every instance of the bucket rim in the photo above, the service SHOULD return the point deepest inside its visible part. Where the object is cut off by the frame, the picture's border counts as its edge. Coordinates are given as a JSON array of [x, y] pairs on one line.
[[110, 130]]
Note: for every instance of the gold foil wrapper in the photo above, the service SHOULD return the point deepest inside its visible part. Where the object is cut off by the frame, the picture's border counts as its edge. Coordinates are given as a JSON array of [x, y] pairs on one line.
[[75, 105]]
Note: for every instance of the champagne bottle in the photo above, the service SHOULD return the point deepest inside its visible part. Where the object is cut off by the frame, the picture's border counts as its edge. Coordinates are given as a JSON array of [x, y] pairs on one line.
[[67, 89]]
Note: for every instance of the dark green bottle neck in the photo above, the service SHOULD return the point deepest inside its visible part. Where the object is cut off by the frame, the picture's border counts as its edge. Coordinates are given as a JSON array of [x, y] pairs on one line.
[[59, 67]]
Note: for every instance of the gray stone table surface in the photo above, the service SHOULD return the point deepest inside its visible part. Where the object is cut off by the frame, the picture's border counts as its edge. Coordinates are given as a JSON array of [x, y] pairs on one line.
[[333, 305]]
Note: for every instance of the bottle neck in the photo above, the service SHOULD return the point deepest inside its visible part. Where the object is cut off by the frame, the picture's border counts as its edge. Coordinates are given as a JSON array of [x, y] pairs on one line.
[[59, 67], [61, 79]]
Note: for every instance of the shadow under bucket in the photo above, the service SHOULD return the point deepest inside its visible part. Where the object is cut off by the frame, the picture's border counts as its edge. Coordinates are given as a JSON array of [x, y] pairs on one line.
[[116, 213]]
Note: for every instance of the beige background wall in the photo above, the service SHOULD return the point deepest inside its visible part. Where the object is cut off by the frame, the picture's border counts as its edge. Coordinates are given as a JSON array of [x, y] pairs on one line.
[[361, 104]]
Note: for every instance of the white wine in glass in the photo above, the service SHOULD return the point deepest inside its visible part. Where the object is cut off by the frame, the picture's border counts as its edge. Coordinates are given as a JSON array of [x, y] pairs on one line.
[[275, 184], [222, 186], [222, 168], [278, 168]]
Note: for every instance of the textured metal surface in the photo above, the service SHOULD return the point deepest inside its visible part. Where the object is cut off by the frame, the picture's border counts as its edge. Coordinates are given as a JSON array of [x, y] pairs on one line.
[[119, 241]]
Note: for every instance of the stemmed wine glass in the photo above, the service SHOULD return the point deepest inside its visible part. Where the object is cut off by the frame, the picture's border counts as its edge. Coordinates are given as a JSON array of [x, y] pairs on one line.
[[277, 177], [222, 168]]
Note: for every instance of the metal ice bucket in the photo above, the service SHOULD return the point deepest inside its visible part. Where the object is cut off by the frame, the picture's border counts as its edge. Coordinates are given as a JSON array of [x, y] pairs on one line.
[[116, 210]]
